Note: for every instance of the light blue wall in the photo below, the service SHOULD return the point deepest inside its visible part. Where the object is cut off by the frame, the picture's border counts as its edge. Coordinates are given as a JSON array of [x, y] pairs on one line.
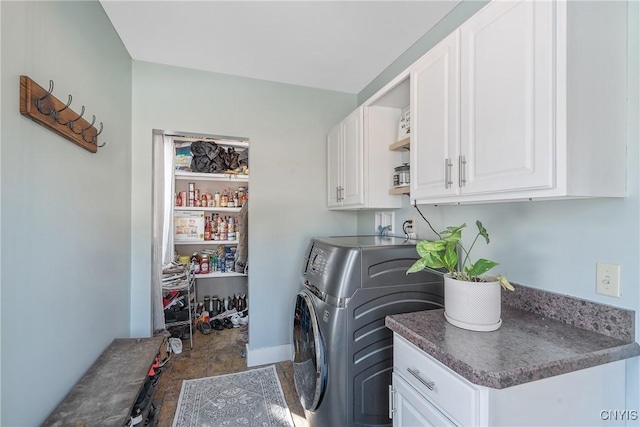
[[554, 245], [65, 213], [444, 27], [287, 127]]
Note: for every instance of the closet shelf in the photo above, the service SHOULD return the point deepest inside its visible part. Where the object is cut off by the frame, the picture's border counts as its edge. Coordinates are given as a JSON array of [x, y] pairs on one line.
[[208, 242], [186, 175], [206, 209], [219, 274]]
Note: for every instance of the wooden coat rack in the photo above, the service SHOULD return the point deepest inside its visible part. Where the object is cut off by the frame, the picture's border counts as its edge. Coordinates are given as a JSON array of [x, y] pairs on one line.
[[42, 107]]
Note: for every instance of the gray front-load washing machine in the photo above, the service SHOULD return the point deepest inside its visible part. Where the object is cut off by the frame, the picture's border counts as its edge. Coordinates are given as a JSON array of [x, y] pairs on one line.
[[343, 353]]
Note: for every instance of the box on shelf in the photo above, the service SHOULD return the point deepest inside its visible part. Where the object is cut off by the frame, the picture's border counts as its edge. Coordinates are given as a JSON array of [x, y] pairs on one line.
[[183, 156], [404, 126], [188, 226]]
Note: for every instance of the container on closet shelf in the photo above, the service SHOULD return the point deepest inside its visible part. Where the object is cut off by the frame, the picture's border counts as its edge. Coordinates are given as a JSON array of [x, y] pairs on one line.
[[188, 226]]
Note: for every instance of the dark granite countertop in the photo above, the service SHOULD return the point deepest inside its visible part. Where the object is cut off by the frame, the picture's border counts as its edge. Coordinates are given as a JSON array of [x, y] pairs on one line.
[[527, 347]]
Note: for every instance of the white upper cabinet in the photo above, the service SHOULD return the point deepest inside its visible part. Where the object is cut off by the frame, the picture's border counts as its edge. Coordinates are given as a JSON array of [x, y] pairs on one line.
[[435, 120], [335, 166], [344, 171], [360, 165], [345, 167], [352, 192], [525, 100], [506, 98]]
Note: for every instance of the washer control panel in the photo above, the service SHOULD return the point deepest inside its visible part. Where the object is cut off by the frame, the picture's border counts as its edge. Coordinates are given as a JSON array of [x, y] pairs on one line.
[[317, 264]]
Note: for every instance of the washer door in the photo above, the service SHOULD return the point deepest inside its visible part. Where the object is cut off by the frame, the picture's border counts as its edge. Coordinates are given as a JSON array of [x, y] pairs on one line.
[[309, 364]]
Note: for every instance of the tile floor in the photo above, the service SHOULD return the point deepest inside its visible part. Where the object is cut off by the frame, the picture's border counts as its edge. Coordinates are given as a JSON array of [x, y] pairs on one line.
[[216, 354]]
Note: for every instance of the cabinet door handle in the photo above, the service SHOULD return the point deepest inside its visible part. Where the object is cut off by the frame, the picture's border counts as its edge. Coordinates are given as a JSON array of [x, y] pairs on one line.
[[462, 173], [337, 194], [429, 384], [447, 173], [392, 408]]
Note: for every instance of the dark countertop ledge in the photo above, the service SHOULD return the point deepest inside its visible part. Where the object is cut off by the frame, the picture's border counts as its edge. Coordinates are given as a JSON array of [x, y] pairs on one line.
[[527, 347]]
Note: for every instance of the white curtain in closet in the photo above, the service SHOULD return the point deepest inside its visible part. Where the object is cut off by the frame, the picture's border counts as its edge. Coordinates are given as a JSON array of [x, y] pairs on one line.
[[162, 220]]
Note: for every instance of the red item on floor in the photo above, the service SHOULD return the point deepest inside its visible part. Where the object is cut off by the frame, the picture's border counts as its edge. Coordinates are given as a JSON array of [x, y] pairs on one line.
[[170, 297]]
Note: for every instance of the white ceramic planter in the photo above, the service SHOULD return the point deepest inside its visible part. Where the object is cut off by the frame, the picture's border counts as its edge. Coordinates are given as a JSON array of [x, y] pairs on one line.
[[472, 305]]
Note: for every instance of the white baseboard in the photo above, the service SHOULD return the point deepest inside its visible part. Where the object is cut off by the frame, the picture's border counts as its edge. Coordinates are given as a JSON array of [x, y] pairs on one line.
[[264, 356]]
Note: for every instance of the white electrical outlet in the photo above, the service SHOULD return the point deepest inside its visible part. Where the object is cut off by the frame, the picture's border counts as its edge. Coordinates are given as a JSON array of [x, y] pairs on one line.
[[384, 220], [409, 227], [608, 279]]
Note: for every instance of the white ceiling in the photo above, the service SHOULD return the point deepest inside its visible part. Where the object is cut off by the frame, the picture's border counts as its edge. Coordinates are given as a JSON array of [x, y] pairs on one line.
[[336, 45]]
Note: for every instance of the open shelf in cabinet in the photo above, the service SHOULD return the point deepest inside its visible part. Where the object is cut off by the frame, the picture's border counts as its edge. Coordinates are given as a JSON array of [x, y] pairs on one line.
[[400, 145], [400, 190]]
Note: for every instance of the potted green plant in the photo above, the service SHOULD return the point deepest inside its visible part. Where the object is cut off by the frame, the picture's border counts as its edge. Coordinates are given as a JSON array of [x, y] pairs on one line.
[[471, 300]]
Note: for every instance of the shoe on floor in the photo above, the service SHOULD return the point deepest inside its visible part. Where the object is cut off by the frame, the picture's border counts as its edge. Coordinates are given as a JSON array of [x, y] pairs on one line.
[[205, 328], [216, 324]]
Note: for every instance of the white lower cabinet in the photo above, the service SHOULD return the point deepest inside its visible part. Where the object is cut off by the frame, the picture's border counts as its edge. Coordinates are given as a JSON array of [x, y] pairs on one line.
[[411, 409], [427, 393]]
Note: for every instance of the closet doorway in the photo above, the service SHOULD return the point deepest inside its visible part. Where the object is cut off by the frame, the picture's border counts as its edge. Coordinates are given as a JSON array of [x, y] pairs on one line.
[[200, 220]]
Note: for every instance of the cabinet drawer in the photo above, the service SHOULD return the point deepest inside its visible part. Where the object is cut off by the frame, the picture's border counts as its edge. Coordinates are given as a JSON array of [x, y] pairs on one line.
[[456, 397]]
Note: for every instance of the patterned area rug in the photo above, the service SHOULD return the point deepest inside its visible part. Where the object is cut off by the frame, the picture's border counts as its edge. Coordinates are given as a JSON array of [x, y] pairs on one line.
[[249, 398]]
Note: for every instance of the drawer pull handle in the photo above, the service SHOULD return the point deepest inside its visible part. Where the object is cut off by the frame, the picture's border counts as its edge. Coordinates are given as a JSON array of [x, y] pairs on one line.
[[392, 407], [429, 384], [447, 173]]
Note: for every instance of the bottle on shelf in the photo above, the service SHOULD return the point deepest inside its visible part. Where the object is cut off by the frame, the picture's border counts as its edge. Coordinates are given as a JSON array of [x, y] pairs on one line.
[[241, 196], [195, 263], [222, 229], [192, 196], [204, 263], [207, 229], [214, 305]]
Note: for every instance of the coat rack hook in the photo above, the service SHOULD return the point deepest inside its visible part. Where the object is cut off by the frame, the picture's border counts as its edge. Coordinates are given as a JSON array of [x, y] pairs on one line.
[[56, 113], [101, 145], [94, 139], [70, 122], [83, 131], [39, 100]]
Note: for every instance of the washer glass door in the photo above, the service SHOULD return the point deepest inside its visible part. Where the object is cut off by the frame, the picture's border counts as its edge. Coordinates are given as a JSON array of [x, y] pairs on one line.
[[309, 365]]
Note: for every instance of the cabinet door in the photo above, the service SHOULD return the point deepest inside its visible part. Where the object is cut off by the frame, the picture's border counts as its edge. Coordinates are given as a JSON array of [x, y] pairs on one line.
[[411, 409], [507, 97], [435, 117], [352, 148], [334, 166]]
